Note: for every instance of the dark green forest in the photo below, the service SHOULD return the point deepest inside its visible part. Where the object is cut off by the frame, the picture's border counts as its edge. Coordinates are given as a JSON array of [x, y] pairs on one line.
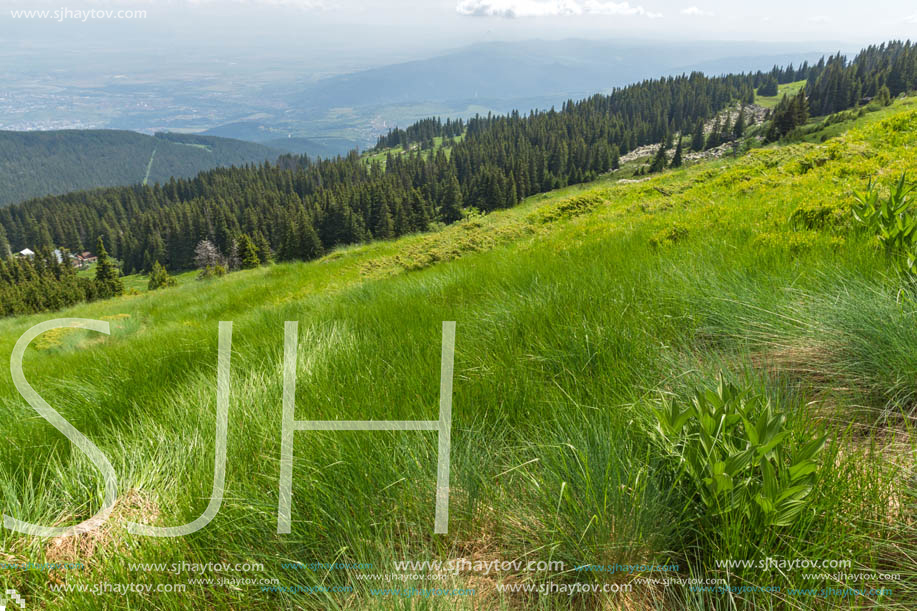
[[34, 164]]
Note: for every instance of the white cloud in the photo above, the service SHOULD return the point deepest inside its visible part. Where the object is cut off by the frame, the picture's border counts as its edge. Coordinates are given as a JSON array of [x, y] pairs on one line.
[[549, 8], [694, 11], [303, 4], [593, 7]]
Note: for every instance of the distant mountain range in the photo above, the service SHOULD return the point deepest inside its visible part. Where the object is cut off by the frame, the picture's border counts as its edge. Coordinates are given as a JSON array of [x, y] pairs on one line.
[[513, 71], [498, 76], [33, 164], [254, 131], [334, 115]]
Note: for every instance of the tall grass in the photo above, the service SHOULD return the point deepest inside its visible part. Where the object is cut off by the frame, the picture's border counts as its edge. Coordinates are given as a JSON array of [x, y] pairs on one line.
[[575, 322]]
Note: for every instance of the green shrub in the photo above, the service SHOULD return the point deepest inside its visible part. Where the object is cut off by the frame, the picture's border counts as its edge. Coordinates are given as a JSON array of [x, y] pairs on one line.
[[821, 216], [739, 468], [892, 219], [160, 278], [568, 208], [212, 271], [669, 236]]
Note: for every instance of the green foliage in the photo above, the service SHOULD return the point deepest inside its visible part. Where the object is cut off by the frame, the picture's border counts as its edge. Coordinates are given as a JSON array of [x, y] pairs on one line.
[[821, 216], [669, 236], [738, 130], [660, 161], [737, 460], [678, 157], [39, 163], [790, 114], [568, 208], [564, 327], [212, 271], [769, 87], [248, 253], [796, 242], [108, 276], [41, 283], [884, 97], [892, 219], [160, 278], [451, 210], [698, 139], [265, 255]]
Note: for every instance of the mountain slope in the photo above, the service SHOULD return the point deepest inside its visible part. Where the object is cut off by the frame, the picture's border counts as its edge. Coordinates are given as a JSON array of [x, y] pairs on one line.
[[33, 164], [579, 314]]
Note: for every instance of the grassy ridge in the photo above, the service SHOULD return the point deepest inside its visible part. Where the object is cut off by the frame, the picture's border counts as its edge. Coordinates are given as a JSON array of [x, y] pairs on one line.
[[577, 312]]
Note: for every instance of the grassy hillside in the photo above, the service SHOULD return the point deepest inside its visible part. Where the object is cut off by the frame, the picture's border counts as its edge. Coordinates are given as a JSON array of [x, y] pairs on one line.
[[580, 314], [33, 164], [789, 89]]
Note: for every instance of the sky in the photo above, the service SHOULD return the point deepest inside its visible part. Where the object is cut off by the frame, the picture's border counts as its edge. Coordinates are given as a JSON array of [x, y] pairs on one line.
[[337, 35]]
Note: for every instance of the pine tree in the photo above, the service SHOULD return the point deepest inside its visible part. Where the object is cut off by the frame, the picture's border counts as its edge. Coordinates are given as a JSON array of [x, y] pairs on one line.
[[4, 244], [713, 139], [698, 139], [265, 255], [234, 259], [451, 210], [738, 129], [384, 228], [801, 108], [884, 97], [159, 278], [659, 161], [107, 281], [310, 246], [615, 157], [512, 196], [726, 130], [677, 160], [248, 253], [769, 88]]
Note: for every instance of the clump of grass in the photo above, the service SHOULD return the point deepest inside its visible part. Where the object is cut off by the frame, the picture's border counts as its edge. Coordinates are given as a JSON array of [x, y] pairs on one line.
[[669, 236], [568, 208]]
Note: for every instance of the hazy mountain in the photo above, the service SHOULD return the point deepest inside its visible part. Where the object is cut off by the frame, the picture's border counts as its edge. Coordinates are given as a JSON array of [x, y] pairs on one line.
[[497, 76], [254, 131], [314, 147], [512, 72], [33, 164]]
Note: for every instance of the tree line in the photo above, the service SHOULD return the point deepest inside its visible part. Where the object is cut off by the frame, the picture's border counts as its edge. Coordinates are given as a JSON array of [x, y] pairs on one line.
[[299, 208], [47, 281]]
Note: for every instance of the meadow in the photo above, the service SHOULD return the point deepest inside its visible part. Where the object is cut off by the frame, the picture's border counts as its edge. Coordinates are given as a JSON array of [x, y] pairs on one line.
[[711, 365]]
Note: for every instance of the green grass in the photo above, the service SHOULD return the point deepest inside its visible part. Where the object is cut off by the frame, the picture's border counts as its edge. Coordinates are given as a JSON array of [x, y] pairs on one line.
[[399, 150], [789, 89], [578, 312], [139, 283]]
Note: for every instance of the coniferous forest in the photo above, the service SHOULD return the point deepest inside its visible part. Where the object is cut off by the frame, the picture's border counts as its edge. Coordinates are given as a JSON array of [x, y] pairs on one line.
[[298, 208]]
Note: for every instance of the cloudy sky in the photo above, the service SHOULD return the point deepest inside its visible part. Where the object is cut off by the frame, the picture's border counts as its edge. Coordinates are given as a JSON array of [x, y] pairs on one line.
[[333, 31]]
